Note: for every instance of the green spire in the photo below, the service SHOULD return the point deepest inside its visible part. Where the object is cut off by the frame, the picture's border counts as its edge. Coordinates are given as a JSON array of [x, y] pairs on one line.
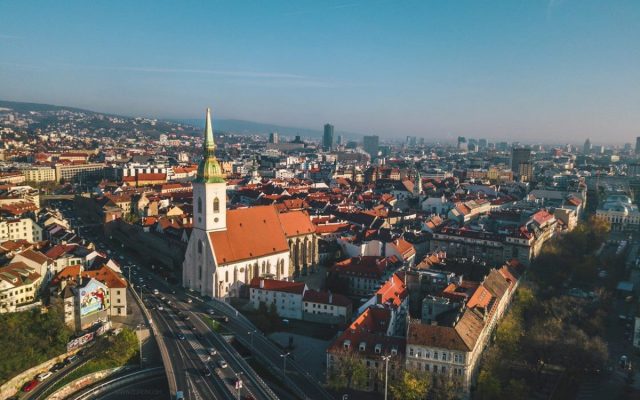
[[209, 170]]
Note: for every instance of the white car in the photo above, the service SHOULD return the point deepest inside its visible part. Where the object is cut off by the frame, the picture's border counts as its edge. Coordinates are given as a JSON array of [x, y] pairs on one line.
[[160, 308], [43, 376], [189, 301], [222, 364]]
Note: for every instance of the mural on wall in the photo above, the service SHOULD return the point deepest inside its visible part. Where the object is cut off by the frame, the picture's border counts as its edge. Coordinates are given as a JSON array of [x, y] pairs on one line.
[[92, 298]]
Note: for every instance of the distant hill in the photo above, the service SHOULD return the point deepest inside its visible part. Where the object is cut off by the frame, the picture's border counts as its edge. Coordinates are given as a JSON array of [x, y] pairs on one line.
[[236, 126], [26, 107]]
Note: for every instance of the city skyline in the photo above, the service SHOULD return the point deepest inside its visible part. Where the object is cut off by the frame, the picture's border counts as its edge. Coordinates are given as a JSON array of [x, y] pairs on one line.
[[558, 70]]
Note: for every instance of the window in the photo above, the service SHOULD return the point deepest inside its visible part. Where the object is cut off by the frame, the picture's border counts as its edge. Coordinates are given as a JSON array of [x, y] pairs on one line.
[[411, 351], [199, 205], [216, 205], [199, 246], [435, 355]]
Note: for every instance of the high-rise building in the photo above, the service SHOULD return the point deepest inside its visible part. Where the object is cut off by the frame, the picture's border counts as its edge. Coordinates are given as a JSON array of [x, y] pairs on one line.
[[462, 143], [482, 143], [327, 138], [638, 145], [521, 163], [587, 147], [370, 145], [273, 138]]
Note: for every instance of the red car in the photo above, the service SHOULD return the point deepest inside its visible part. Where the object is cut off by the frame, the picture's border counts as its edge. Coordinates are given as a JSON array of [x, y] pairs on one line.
[[29, 386]]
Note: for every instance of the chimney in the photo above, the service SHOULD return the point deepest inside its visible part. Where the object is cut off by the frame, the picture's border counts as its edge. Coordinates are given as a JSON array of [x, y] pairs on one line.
[[261, 283]]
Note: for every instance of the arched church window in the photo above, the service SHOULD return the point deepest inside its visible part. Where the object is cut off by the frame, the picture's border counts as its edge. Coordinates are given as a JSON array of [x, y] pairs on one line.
[[216, 205], [199, 205]]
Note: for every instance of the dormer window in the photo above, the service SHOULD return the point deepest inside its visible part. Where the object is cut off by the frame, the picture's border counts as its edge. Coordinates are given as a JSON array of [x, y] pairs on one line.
[[347, 344], [363, 346], [394, 351], [378, 348]]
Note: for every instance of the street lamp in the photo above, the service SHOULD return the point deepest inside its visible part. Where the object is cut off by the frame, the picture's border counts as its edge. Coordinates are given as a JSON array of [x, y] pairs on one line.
[[284, 363], [386, 373]]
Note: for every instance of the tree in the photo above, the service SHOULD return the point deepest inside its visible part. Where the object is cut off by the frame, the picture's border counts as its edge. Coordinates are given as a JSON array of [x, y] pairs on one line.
[[489, 387], [347, 370], [516, 389], [412, 386]]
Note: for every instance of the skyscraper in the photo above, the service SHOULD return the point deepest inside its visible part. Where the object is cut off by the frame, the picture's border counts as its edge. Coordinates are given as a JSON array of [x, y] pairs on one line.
[[521, 164], [273, 138], [638, 145], [371, 144], [587, 147], [327, 139]]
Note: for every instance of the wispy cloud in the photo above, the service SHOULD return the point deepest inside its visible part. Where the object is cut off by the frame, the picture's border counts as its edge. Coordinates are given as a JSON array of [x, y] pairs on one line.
[[221, 72], [8, 37]]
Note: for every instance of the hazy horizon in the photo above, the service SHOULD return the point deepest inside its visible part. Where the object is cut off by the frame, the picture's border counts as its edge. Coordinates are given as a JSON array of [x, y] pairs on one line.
[[531, 71]]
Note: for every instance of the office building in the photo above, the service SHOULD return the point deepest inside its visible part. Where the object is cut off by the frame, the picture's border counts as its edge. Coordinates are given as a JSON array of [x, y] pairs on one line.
[[371, 145], [327, 139], [521, 164], [587, 147], [273, 138]]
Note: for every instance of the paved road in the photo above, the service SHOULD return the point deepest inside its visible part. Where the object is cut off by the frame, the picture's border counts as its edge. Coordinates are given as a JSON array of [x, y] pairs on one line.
[[149, 389], [296, 377], [191, 355]]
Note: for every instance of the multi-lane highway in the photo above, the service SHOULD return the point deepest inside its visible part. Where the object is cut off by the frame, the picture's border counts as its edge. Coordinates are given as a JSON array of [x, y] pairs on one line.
[[204, 364]]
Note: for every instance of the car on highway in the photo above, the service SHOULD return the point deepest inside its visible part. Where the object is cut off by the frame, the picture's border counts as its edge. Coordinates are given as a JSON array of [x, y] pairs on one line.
[[156, 291], [181, 336], [212, 351], [206, 372], [222, 364], [57, 367], [41, 377], [210, 311], [29, 386], [189, 301], [71, 358], [160, 308]]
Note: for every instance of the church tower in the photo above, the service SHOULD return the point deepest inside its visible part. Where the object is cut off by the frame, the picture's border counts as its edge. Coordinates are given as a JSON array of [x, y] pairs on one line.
[[209, 187], [209, 215]]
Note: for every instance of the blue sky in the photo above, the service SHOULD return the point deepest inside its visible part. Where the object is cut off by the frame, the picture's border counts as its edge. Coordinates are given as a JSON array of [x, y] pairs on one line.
[[529, 70]]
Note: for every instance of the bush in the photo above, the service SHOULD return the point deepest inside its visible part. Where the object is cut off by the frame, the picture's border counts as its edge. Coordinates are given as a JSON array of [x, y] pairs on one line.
[[30, 338]]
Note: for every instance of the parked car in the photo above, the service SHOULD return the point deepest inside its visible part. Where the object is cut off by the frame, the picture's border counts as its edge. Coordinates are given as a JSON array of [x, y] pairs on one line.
[[29, 386], [57, 367], [222, 364], [41, 377], [71, 358]]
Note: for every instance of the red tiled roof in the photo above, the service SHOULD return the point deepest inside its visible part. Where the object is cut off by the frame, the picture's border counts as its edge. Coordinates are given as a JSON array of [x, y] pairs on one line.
[[278, 286], [315, 296], [251, 233], [295, 223]]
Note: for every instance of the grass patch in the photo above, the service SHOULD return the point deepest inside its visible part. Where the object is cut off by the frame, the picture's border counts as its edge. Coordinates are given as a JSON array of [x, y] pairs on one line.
[[108, 352]]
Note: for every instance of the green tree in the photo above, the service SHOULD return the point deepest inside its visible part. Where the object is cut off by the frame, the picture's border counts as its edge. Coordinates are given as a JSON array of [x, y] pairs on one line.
[[347, 370], [411, 386], [489, 387]]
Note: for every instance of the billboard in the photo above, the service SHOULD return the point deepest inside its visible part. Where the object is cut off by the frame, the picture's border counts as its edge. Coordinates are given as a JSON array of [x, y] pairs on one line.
[[92, 298]]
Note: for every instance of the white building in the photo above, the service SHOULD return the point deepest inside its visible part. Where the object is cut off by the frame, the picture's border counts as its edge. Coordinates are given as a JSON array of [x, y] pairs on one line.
[[287, 296]]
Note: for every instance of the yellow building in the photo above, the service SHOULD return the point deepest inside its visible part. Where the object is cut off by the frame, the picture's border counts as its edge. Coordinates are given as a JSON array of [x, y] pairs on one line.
[[39, 174]]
